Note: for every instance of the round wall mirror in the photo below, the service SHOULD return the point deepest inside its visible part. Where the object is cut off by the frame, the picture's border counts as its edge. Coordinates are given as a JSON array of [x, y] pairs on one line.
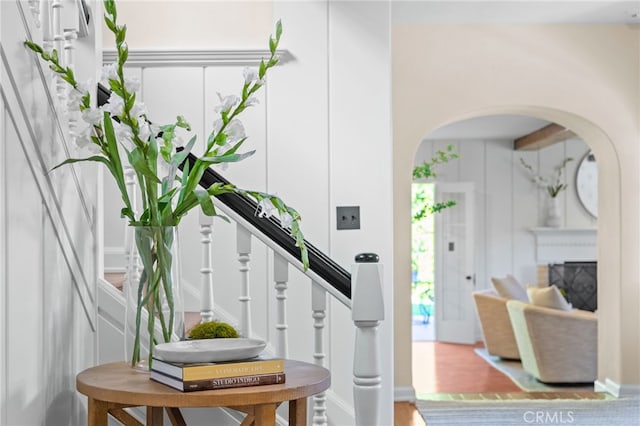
[[587, 183]]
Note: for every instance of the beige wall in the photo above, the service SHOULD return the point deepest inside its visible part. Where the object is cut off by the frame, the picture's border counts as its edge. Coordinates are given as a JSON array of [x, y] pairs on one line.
[[582, 76], [192, 24]]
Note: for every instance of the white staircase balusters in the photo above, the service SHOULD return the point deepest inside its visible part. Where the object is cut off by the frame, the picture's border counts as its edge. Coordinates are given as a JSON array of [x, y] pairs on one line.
[[34, 6], [319, 309], [130, 251], [206, 271], [45, 17], [367, 310], [243, 240], [281, 277], [58, 43], [69, 58]]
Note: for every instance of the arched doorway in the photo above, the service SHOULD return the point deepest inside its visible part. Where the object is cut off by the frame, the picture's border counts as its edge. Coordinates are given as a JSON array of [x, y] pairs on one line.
[[508, 209]]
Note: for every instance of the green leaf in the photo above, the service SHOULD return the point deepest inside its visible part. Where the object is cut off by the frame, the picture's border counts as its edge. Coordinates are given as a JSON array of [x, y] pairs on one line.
[[231, 158], [33, 46], [182, 155], [278, 29], [205, 202], [138, 162], [96, 158]]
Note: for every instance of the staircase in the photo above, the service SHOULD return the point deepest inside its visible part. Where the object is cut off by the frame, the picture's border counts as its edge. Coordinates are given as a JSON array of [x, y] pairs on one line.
[[342, 307]]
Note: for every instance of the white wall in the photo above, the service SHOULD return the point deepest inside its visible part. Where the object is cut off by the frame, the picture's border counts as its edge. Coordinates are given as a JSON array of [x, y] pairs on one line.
[[318, 130], [507, 203], [48, 262]]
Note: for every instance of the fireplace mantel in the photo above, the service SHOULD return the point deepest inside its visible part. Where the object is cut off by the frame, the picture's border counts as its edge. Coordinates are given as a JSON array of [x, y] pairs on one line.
[[557, 245]]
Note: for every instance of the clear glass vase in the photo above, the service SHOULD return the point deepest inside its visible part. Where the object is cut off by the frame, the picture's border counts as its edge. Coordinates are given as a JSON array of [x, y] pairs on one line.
[[154, 311]]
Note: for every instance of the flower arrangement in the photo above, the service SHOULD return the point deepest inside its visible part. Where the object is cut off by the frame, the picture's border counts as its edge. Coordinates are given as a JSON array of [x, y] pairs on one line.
[[121, 130], [553, 184]]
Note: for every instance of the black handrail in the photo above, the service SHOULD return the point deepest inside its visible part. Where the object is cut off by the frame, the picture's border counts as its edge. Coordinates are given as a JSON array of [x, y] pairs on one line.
[[246, 207]]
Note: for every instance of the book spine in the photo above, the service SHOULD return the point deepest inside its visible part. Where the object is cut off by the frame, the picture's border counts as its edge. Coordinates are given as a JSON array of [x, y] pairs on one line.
[[206, 372], [226, 383]]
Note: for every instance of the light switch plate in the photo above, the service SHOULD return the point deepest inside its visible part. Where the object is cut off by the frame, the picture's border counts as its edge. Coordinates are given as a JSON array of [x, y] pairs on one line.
[[348, 217]]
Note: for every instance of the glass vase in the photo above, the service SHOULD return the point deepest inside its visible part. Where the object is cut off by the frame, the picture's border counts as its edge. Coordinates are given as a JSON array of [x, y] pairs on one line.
[[154, 311], [554, 215]]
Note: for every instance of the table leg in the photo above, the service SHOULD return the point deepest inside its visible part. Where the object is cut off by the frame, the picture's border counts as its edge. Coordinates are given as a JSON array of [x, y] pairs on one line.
[[175, 416], [298, 412], [265, 415], [98, 412], [155, 416]]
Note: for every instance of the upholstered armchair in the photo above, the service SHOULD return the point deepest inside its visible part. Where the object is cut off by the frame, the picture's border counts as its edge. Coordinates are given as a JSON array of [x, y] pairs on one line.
[[496, 325], [556, 346]]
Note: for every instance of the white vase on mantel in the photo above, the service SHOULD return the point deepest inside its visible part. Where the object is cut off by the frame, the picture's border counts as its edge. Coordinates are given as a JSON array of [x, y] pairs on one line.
[[554, 216]]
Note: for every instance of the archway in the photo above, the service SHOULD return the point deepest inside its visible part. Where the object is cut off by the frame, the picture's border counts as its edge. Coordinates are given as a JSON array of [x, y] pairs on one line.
[[508, 209], [609, 237]]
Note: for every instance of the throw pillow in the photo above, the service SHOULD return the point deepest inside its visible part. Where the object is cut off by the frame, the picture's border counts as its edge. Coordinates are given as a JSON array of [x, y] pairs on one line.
[[508, 287], [549, 297]]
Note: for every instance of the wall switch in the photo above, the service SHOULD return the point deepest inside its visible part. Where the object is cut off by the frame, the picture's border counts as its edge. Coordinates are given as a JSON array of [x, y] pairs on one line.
[[348, 217]]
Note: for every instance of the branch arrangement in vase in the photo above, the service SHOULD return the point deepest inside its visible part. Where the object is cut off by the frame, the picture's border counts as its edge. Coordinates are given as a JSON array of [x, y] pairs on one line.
[[426, 170], [121, 129], [553, 184]]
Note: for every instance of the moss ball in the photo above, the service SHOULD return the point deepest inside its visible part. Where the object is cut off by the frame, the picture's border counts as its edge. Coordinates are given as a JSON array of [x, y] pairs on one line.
[[213, 330]]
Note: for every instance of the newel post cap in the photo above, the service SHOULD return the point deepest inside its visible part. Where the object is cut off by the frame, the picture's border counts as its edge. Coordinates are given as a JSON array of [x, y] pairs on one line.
[[367, 303]]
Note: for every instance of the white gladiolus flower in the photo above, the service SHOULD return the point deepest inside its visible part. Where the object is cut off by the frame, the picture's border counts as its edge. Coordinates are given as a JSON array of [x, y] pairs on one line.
[[251, 100], [109, 72], [266, 208], [132, 84], [139, 109], [74, 99], [227, 102], [285, 219], [144, 131], [250, 74], [92, 116], [234, 131], [123, 135], [115, 105]]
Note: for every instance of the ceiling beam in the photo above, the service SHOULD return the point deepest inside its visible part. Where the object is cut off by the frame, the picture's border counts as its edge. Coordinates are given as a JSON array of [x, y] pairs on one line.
[[548, 135]]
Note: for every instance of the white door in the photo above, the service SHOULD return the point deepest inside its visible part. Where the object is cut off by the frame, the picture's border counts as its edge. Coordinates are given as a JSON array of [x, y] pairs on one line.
[[454, 271]]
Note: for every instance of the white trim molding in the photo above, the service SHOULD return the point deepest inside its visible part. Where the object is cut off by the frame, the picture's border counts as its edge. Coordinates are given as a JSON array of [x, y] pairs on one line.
[[404, 394], [194, 58], [617, 390], [565, 244]]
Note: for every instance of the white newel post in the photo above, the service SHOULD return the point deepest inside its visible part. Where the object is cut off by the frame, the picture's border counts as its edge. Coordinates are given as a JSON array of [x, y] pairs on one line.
[[58, 43], [244, 256], [206, 300], [45, 17], [367, 310], [319, 308], [281, 277]]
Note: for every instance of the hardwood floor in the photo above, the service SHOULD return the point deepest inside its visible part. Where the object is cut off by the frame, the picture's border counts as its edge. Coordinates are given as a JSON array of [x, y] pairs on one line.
[[449, 371]]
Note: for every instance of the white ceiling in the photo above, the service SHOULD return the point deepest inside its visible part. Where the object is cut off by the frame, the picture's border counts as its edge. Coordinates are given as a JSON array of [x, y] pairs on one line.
[[515, 12], [491, 127]]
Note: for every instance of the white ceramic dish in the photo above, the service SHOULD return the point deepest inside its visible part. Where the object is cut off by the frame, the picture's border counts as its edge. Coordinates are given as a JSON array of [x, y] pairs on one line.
[[210, 350]]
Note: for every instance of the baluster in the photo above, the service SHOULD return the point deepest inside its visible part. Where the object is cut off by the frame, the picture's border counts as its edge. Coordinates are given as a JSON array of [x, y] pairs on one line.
[[244, 252], [281, 277], [207, 302], [367, 310], [319, 308], [45, 17], [58, 40], [34, 5], [69, 58], [132, 273]]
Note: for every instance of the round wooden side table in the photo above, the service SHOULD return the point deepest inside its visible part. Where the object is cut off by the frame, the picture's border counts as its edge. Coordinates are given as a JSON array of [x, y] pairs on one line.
[[112, 387]]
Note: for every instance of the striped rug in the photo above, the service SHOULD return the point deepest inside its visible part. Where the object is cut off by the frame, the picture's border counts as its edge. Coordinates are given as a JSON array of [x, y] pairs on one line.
[[581, 412]]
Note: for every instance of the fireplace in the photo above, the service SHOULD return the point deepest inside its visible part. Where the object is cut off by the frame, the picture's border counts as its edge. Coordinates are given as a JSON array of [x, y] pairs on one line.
[[578, 280]]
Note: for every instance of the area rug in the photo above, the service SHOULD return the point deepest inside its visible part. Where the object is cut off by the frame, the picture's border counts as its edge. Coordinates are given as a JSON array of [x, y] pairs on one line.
[[525, 381], [578, 412]]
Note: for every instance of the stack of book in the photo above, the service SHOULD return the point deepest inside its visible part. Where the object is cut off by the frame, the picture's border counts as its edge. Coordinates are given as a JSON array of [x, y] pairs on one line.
[[189, 377]]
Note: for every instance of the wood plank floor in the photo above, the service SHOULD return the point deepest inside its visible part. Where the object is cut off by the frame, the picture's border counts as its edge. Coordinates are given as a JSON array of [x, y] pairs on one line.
[[450, 371]]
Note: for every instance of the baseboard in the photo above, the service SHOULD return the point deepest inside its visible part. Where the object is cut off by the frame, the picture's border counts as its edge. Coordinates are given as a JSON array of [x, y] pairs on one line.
[[615, 389], [404, 394]]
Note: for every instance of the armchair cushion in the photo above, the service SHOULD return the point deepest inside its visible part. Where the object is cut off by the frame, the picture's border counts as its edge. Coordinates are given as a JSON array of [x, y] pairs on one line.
[[509, 288], [549, 297]]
